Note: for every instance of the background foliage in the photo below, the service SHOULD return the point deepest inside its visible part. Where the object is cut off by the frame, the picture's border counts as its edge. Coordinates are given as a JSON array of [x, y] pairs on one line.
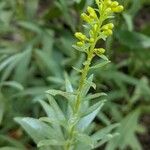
[[35, 52]]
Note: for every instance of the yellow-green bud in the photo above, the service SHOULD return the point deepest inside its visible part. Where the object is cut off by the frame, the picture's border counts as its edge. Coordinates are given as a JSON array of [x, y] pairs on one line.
[[114, 4], [80, 44], [95, 27], [85, 17], [108, 32], [118, 9], [110, 25], [108, 2], [80, 36], [91, 12], [108, 10], [91, 40], [99, 51], [105, 27]]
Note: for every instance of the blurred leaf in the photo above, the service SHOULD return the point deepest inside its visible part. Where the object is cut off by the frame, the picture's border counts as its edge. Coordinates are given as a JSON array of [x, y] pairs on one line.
[[2, 107], [91, 114], [12, 84], [37, 129], [133, 40], [127, 130], [50, 142]]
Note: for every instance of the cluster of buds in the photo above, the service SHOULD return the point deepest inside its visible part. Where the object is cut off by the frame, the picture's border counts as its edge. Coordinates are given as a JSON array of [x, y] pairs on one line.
[[99, 51], [107, 29], [95, 18], [91, 16], [113, 6], [81, 37]]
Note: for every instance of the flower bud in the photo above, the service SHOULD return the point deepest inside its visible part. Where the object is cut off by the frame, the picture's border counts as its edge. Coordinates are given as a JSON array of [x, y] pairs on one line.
[[91, 40], [85, 17], [80, 36], [108, 10], [105, 27], [95, 27], [80, 44], [108, 32], [114, 4], [118, 9], [110, 25], [108, 2], [91, 12], [99, 51]]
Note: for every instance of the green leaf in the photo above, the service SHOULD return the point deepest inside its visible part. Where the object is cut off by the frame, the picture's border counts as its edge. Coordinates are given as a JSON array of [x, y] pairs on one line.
[[94, 107], [133, 40], [102, 133], [30, 26], [9, 148], [37, 129], [94, 96], [127, 130], [2, 107], [12, 84], [87, 140], [52, 142], [53, 92], [58, 113], [100, 65], [86, 120], [88, 84]]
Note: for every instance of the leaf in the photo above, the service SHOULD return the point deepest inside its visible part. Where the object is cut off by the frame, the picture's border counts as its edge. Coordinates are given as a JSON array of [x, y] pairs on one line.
[[11, 141], [102, 133], [94, 96], [87, 140], [37, 130], [48, 109], [81, 49], [88, 84], [100, 65], [127, 130], [13, 84], [67, 95], [30, 26], [2, 107], [94, 107], [129, 22], [21, 69], [58, 113], [133, 40], [86, 120], [106, 139], [47, 63], [52, 142], [9, 148]]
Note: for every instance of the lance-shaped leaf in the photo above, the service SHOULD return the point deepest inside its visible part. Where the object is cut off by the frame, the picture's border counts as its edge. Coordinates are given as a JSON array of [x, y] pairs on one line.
[[127, 130], [52, 142], [86, 120], [100, 65], [100, 134], [67, 95], [37, 129], [87, 140]]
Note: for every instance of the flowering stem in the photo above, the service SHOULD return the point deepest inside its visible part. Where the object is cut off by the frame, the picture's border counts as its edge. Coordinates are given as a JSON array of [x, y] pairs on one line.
[[106, 7]]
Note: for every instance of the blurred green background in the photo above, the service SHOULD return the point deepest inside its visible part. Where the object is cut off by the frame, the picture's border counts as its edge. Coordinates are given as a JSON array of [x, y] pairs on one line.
[[36, 38]]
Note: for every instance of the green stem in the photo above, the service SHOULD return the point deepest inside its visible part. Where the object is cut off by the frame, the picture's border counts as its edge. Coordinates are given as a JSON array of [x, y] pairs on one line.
[[83, 79]]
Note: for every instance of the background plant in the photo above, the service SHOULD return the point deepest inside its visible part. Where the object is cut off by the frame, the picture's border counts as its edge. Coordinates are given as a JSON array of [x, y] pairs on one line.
[[66, 129], [130, 62]]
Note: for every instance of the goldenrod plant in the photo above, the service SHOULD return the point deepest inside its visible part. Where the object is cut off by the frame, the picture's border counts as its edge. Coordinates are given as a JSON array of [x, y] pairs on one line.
[[71, 127]]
